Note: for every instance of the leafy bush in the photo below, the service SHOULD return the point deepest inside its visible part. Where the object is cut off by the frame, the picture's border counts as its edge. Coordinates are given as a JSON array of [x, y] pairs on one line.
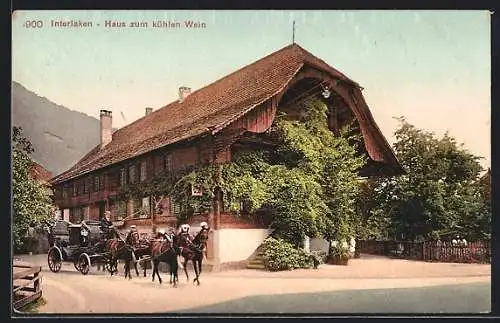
[[339, 252], [281, 255]]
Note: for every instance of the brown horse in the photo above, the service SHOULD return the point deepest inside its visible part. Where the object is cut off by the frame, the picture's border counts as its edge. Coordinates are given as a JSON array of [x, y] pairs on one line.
[[164, 251], [194, 251], [142, 248], [119, 250]]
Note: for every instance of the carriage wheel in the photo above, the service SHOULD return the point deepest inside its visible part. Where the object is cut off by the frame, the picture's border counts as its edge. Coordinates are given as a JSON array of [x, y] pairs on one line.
[[84, 263], [54, 259]]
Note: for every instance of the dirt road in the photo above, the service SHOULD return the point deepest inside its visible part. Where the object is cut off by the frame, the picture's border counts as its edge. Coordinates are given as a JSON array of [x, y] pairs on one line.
[[70, 292]]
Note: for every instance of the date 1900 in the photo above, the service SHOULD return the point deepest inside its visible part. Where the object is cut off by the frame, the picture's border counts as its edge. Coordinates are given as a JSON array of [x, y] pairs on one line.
[[33, 24]]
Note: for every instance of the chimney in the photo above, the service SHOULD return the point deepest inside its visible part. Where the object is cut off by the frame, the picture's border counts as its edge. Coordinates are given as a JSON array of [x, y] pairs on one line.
[[106, 127], [149, 110], [183, 93]]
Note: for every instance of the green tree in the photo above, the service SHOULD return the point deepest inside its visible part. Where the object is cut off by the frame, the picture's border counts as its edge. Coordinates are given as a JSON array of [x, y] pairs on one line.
[[309, 180], [332, 163], [32, 204], [438, 194]]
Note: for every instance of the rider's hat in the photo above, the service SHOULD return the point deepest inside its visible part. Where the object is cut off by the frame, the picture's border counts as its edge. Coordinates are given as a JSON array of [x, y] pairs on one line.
[[132, 226], [203, 225], [161, 231], [185, 227]]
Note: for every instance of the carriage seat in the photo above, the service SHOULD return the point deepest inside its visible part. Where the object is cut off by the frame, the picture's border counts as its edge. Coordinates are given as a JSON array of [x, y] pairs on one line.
[[69, 250]]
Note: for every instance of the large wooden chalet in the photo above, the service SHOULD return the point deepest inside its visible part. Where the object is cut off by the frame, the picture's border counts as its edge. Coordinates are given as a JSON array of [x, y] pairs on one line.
[[208, 126]]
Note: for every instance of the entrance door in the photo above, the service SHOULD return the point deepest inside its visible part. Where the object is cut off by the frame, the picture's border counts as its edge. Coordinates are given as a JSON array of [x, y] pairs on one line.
[[102, 207]]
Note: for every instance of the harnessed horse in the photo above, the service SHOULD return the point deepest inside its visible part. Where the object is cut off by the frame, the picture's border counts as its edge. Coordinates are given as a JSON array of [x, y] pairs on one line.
[[194, 251], [142, 248], [164, 251], [120, 250]]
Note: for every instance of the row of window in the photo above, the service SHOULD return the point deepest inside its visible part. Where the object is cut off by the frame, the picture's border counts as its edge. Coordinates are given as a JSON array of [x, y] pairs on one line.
[[145, 204], [129, 175], [126, 176]]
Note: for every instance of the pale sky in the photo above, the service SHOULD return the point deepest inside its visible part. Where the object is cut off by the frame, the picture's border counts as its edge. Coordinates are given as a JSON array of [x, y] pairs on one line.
[[433, 67]]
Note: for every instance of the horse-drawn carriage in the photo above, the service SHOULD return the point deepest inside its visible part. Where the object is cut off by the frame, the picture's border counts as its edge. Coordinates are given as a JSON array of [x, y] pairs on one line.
[[84, 246]]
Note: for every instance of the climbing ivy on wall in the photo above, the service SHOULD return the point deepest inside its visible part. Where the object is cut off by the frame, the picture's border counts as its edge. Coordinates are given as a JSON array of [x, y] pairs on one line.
[[308, 181]]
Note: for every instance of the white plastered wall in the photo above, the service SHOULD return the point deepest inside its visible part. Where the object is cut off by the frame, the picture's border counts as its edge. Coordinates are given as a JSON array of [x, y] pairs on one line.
[[318, 244], [238, 244]]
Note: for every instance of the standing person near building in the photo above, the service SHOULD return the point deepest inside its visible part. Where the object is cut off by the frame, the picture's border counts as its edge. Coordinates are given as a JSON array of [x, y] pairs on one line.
[[30, 239]]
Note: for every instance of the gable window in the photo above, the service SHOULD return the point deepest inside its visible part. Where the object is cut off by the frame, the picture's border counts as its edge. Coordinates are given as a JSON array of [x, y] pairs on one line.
[[96, 183], [131, 174], [123, 177], [143, 171], [167, 162]]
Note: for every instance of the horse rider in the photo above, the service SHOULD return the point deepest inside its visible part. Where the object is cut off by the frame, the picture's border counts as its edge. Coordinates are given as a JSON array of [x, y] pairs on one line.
[[184, 239], [160, 234], [184, 236], [132, 236], [204, 225]]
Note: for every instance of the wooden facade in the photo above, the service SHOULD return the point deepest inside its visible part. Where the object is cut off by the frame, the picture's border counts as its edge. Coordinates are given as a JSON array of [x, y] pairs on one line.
[[224, 122], [99, 190]]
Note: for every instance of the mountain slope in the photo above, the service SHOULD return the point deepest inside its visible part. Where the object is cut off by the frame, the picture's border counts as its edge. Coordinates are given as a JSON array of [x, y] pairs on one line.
[[60, 136]]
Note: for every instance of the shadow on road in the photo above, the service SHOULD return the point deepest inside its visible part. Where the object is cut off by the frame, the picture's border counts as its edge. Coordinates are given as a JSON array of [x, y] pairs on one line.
[[465, 298]]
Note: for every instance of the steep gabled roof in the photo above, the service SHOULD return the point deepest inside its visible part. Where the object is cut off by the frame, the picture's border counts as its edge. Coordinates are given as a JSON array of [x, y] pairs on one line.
[[211, 107]]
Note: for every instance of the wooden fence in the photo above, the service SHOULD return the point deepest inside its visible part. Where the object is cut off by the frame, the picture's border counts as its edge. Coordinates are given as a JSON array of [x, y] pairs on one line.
[[473, 252], [26, 279]]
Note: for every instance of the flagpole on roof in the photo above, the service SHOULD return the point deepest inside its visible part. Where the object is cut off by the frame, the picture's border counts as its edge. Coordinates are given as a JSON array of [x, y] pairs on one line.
[[293, 33]]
